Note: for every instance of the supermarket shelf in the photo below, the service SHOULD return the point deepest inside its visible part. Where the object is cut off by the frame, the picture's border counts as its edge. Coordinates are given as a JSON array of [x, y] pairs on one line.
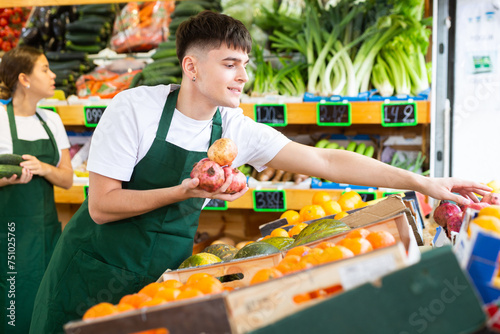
[[298, 113], [29, 3], [296, 198]]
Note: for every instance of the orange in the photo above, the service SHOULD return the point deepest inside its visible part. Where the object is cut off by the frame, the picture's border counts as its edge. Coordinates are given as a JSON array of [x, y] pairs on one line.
[[303, 297], [358, 233], [135, 299], [310, 212], [209, 285], [188, 293], [100, 310], [298, 250], [492, 210], [314, 257], [325, 244], [265, 274], [349, 200], [331, 207], [336, 253], [341, 215], [320, 197], [489, 223], [292, 216], [356, 245], [196, 277], [152, 288], [279, 232], [172, 283], [124, 307], [288, 264], [291, 258], [153, 302], [380, 239], [361, 205], [316, 251], [169, 294], [296, 229], [266, 237], [228, 288]]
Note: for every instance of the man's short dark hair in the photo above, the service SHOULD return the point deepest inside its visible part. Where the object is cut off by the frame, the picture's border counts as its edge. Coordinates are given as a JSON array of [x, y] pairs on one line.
[[208, 30]]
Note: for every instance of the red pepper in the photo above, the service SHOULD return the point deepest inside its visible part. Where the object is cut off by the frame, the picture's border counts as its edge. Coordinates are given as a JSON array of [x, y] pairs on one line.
[[6, 46]]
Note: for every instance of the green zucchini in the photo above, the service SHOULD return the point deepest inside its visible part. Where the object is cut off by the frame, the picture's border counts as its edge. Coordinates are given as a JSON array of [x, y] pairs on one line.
[[75, 65], [164, 68], [176, 21], [10, 159], [164, 53], [9, 170], [87, 26], [83, 38], [160, 80], [187, 8], [64, 56], [99, 9], [85, 48], [166, 45], [136, 80]]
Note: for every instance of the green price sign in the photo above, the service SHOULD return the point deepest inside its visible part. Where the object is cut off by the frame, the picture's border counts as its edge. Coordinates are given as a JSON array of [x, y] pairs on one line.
[[216, 204], [271, 114], [85, 191], [333, 114], [92, 115], [52, 108], [399, 114], [269, 200]]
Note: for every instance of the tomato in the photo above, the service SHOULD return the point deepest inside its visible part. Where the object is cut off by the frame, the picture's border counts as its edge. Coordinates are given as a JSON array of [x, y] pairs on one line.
[[15, 19], [6, 13], [6, 46], [3, 22]]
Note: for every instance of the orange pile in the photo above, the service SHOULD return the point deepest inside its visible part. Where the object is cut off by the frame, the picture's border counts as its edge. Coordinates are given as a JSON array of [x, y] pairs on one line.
[[198, 284]]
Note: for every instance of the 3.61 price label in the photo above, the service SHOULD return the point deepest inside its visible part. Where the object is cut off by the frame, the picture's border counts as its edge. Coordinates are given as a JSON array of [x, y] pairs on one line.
[[271, 114], [92, 115], [216, 204], [333, 114], [269, 200], [399, 114]]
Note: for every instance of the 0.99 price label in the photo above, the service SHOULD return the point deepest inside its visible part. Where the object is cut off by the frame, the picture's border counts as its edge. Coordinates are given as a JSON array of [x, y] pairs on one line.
[[271, 114], [269, 200], [399, 114], [92, 115]]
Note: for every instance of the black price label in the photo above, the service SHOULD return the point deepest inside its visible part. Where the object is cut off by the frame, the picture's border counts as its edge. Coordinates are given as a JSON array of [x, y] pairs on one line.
[[51, 108], [269, 200], [85, 191], [367, 195], [333, 114], [388, 193], [92, 115], [216, 204], [399, 114], [271, 114]]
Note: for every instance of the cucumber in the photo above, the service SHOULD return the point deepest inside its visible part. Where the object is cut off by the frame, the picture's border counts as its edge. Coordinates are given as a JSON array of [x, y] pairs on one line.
[[10, 159], [99, 9], [369, 151], [160, 80], [361, 148], [65, 65], [85, 48], [187, 8], [83, 38], [351, 146], [171, 60], [9, 170], [163, 69], [136, 80], [167, 45], [176, 21], [164, 53], [86, 26]]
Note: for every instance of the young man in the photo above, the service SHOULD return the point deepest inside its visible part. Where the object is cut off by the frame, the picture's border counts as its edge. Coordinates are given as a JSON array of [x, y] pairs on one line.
[[142, 209]]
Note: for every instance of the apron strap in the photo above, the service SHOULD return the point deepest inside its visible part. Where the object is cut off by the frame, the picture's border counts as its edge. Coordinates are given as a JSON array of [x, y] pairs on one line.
[[168, 112], [52, 139], [12, 123]]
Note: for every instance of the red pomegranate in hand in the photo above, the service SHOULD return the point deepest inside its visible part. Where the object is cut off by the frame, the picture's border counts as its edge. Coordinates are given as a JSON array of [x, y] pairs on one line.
[[223, 151], [210, 174], [444, 211], [239, 180], [491, 198]]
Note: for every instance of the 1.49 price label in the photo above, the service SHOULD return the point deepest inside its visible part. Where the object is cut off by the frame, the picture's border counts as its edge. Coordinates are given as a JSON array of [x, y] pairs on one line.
[[269, 200]]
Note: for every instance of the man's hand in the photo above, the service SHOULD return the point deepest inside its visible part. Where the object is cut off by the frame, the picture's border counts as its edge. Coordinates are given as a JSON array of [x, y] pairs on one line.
[[192, 190], [457, 190]]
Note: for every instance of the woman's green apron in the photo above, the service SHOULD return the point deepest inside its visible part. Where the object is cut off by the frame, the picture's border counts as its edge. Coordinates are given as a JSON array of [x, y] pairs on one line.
[[101, 263], [29, 232]]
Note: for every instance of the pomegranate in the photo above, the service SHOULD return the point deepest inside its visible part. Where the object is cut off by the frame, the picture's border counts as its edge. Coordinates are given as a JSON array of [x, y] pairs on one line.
[[239, 180], [223, 151], [210, 174], [454, 223], [444, 211], [491, 198]]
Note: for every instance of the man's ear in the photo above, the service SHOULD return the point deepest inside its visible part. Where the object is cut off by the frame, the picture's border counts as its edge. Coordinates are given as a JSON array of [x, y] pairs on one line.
[[189, 66]]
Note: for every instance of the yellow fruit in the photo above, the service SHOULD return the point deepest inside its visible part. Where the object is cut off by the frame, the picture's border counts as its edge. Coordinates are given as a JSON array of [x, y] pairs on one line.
[[349, 200], [341, 215], [279, 232], [489, 223], [495, 185], [296, 229], [331, 207], [492, 210], [320, 197], [292, 216], [310, 212]]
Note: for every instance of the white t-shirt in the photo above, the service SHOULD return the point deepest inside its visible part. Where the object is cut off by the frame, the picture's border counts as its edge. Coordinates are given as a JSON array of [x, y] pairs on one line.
[[30, 129], [128, 127]]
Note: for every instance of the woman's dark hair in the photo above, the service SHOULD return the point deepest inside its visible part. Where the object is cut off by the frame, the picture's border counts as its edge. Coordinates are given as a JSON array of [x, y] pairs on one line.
[[208, 30], [19, 60]]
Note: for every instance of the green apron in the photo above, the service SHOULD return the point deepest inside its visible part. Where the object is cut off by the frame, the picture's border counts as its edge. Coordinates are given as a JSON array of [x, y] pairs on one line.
[[29, 232], [101, 263]]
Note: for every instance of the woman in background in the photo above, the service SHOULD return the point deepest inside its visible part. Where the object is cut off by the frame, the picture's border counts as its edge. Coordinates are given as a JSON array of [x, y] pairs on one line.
[[29, 226]]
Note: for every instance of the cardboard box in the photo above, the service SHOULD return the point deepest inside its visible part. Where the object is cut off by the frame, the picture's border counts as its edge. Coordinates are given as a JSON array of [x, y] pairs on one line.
[[432, 296]]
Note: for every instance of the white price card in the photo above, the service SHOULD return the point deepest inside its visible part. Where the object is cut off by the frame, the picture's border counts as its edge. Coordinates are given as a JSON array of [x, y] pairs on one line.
[[368, 270]]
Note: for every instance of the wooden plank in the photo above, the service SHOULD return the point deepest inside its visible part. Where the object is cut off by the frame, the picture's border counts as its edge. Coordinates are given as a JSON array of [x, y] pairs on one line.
[[74, 195], [71, 114]]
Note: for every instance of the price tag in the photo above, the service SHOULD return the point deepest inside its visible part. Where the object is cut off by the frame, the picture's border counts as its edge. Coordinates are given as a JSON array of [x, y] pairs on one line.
[[269, 200], [333, 114], [399, 114], [367, 195], [92, 115], [85, 191], [52, 108], [271, 114], [216, 204], [387, 193]]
